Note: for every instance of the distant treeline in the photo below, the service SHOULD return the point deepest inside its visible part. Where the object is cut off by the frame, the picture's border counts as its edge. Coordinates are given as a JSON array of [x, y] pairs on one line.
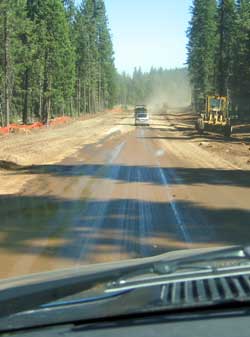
[[156, 87], [54, 59], [219, 52]]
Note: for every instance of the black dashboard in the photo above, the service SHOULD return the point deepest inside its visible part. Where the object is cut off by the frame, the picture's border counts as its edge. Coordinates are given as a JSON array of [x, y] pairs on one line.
[[229, 323]]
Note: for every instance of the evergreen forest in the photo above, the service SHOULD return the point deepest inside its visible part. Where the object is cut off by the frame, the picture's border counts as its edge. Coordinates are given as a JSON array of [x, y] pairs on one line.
[[219, 52], [57, 59]]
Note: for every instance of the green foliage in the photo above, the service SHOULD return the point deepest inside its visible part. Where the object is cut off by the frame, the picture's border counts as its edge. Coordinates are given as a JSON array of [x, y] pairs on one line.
[[203, 40], [226, 45], [60, 59], [241, 75], [95, 62], [54, 57], [219, 52]]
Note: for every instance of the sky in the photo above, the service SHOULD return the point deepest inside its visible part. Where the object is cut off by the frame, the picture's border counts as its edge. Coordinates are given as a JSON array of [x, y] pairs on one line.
[[148, 33]]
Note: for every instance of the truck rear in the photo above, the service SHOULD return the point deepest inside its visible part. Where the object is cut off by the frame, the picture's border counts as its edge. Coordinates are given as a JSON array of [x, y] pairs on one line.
[[141, 115]]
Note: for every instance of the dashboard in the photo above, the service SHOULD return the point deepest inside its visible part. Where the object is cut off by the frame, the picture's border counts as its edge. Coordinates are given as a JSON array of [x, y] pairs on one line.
[[229, 323]]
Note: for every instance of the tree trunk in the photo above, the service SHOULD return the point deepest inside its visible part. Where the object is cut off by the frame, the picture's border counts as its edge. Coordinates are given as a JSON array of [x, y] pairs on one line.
[[71, 106], [78, 97], [46, 98], [40, 100], [100, 90], [93, 96], [49, 109], [26, 97], [221, 74], [84, 98], [89, 100], [6, 67]]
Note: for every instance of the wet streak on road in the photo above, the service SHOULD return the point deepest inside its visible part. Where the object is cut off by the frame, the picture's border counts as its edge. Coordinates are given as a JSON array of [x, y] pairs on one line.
[[130, 196]]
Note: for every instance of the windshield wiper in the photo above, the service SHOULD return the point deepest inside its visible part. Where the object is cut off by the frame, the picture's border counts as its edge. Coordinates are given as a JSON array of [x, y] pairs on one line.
[[188, 269], [30, 294], [202, 274], [97, 298], [35, 293]]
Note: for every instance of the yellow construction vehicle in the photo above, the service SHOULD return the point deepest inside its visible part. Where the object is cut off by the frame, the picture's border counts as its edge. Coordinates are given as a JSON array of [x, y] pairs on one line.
[[215, 116]]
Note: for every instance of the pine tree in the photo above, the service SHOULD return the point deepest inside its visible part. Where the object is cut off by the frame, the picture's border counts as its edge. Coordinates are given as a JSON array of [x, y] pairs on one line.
[[6, 9], [22, 58], [87, 57], [95, 60], [54, 66], [71, 11], [202, 49], [227, 36], [106, 87], [241, 64]]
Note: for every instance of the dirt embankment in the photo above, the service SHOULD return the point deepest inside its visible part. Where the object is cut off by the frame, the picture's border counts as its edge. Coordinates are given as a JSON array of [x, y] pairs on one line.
[[51, 145]]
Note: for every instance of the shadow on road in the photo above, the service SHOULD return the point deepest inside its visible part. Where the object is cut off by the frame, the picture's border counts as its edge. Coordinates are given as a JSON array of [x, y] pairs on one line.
[[144, 174], [107, 230]]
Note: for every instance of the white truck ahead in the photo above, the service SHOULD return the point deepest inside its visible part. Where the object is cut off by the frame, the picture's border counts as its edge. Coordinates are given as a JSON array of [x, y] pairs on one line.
[[141, 115]]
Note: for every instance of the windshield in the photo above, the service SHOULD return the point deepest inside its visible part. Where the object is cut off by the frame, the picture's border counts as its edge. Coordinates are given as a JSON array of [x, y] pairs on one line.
[[106, 152], [215, 103], [141, 114]]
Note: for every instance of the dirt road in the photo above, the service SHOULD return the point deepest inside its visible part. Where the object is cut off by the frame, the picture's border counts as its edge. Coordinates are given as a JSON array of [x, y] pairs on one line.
[[125, 193]]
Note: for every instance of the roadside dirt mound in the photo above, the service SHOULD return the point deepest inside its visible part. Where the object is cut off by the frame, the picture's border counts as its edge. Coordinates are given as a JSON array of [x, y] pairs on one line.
[[60, 120], [20, 128], [26, 128]]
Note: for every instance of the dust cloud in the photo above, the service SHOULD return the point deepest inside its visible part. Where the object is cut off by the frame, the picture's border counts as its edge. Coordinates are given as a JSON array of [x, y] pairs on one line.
[[172, 92], [161, 99]]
